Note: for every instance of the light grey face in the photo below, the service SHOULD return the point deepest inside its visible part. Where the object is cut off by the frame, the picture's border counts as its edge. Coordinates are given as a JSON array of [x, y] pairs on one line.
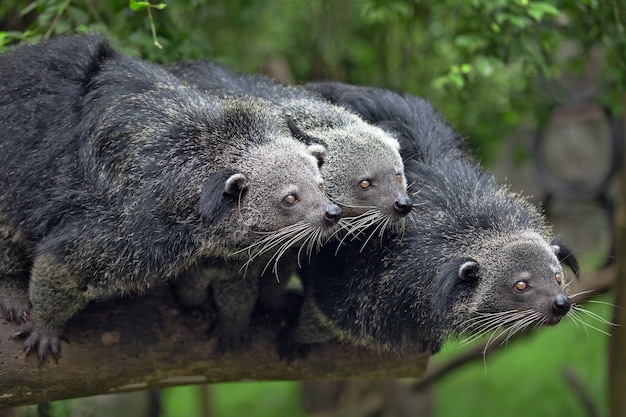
[[364, 172], [284, 188], [524, 276]]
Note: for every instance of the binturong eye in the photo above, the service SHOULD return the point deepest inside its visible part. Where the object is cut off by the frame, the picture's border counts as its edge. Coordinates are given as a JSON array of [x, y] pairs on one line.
[[559, 278], [365, 184], [399, 177], [521, 286], [321, 187], [290, 200]]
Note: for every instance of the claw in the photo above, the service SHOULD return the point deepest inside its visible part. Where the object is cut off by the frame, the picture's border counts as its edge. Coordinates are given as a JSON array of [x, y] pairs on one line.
[[17, 313], [22, 330], [42, 343]]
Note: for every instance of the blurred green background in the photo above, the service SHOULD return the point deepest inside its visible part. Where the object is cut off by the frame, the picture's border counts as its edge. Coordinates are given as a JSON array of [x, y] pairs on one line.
[[494, 68]]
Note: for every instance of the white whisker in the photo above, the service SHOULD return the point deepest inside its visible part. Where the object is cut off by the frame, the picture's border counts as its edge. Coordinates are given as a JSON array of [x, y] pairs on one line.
[[500, 324], [576, 318], [578, 310], [606, 303]]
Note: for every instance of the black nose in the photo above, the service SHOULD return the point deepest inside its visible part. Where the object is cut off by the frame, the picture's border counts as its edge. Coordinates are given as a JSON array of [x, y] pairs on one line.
[[403, 205], [561, 305], [332, 214]]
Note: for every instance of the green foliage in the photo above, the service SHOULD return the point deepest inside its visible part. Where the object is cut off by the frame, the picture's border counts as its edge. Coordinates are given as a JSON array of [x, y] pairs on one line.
[[478, 61], [527, 378]]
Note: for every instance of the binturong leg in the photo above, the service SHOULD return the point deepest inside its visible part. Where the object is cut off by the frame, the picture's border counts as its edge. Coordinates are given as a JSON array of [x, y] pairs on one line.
[[55, 296], [14, 273], [235, 297]]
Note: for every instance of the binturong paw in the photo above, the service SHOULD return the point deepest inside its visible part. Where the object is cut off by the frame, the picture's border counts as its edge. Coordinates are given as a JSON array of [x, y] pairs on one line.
[[40, 341], [17, 311], [14, 301]]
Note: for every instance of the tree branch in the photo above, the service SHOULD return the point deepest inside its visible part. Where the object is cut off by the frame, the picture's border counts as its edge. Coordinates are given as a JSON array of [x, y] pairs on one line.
[[148, 342]]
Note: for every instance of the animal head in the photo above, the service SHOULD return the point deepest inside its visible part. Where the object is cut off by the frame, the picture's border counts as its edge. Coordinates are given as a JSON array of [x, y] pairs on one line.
[[513, 282], [363, 171], [273, 200], [282, 186]]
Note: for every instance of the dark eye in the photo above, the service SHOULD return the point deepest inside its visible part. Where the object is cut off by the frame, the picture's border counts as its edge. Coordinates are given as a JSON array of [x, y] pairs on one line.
[[399, 177], [321, 187], [520, 286], [365, 184], [559, 278], [290, 200]]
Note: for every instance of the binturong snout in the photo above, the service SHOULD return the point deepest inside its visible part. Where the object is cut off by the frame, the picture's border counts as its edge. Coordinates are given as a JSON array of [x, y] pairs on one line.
[[332, 214], [561, 305], [403, 205]]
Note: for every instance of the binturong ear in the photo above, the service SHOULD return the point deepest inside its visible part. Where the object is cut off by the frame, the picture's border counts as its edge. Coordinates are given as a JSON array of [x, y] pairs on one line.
[[214, 202], [319, 152], [453, 278], [565, 256], [236, 184], [468, 271]]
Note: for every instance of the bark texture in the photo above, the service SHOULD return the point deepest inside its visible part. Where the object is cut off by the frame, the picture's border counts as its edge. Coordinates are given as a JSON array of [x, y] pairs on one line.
[[149, 342]]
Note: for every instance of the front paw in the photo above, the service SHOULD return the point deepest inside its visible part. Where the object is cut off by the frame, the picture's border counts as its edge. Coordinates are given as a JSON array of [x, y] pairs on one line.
[[16, 310], [43, 342]]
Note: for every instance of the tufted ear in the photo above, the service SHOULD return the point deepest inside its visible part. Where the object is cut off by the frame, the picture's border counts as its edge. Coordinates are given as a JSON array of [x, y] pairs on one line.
[[319, 152], [299, 134], [565, 256], [212, 203], [236, 184], [453, 278], [468, 271]]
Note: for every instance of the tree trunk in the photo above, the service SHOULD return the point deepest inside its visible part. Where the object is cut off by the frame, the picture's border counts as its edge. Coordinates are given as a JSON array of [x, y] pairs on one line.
[[617, 356]]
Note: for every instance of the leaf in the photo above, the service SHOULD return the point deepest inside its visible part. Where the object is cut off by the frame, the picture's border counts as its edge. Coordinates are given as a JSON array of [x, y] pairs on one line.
[[28, 8], [538, 10], [143, 5], [138, 5], [457, 80]]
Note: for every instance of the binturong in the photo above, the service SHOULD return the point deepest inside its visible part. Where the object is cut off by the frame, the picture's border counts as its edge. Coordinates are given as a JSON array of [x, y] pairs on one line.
[[115, 177], [363, 171], [475, 258]]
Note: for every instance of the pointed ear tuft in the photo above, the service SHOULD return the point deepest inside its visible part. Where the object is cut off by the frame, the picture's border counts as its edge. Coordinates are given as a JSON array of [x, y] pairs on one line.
[[469, 270], [236, 184], [213, 203], [565, 256]]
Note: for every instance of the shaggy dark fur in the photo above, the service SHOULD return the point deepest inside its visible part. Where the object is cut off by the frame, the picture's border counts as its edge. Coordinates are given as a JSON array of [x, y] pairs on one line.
[[475, 258], [114, 176], [363, 171]]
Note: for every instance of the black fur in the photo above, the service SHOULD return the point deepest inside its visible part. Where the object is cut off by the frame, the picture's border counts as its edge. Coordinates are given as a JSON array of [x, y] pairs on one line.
[[356, 150], [110, 172], [214, 203], [408, 292]]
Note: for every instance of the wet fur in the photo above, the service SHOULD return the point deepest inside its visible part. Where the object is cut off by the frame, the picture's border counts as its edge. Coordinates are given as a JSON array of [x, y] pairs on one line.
[[116, 176], [454, 268]]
